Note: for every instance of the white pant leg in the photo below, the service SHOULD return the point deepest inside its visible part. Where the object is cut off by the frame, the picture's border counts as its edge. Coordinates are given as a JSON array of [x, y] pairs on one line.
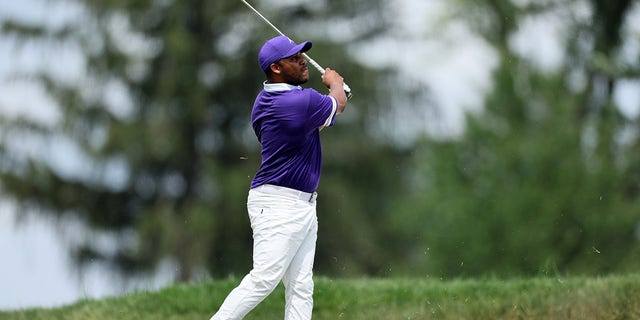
[[298, 279], [280, 227]]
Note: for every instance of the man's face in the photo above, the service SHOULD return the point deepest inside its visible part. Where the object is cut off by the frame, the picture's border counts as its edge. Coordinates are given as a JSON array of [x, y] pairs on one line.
[[294, 69]]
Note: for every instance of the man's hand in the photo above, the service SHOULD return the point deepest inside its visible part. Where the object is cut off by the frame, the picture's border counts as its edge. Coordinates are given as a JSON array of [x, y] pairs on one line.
[[332, 80]]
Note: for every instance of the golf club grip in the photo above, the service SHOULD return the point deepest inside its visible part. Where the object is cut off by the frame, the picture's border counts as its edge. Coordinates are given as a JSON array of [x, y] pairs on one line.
[[347, 89]]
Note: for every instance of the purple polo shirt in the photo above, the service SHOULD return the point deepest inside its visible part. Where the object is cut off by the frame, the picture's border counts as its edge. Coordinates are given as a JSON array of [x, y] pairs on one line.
[[286, 119]]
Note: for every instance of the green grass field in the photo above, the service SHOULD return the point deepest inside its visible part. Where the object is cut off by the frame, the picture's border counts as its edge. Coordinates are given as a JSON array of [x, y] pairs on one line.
[[611, 297]]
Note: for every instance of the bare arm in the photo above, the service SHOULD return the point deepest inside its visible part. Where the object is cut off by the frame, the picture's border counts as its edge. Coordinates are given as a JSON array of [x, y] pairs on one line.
[[332, 80]]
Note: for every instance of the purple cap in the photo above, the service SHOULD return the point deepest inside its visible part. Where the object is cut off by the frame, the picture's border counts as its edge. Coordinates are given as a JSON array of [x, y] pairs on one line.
[[278, 48]]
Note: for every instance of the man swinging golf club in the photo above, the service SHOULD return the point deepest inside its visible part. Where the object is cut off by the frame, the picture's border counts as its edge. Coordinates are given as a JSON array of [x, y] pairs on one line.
[[287, 120]]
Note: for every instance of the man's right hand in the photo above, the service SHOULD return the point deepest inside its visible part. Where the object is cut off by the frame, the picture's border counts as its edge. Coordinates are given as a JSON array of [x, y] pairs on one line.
[[332, 80], [331, 77]]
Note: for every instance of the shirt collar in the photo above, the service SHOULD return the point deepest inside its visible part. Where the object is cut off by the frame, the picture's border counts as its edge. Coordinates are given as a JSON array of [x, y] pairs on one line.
[[272, 87]]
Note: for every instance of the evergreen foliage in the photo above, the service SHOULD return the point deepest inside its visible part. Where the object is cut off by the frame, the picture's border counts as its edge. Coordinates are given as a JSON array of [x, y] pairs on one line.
[[545, 179]]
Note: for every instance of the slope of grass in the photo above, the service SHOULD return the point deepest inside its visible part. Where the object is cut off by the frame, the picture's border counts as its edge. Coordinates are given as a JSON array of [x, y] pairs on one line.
[[611, 297]]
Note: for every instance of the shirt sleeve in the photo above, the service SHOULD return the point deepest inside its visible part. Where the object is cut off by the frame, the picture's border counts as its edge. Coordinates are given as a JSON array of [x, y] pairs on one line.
[[321, 110]]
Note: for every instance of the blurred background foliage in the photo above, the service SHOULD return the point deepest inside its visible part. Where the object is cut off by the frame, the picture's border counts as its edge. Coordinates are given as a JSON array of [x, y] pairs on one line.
[[544, 179]]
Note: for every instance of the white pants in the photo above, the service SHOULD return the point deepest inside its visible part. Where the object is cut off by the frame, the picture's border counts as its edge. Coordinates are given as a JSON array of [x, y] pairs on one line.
[[285, 230]]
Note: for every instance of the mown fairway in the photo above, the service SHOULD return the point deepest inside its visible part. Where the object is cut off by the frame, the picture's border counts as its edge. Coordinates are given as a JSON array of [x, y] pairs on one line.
[[612, 297]]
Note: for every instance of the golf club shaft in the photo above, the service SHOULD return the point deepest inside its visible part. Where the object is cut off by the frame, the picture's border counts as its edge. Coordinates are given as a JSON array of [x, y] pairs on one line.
[[316, 65]]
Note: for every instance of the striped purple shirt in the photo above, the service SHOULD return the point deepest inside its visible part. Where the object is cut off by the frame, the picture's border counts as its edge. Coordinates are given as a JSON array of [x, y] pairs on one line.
[[286, 119]]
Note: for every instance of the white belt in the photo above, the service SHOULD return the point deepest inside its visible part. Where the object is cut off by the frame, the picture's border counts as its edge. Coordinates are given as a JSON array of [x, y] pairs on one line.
[[287, 192]]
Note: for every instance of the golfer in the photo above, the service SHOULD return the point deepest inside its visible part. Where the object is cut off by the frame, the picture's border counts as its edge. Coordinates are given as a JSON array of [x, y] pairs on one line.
[[287, 121]]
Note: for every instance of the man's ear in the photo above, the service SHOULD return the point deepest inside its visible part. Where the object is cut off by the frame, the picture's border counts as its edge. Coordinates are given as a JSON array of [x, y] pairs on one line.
[[275, 68]]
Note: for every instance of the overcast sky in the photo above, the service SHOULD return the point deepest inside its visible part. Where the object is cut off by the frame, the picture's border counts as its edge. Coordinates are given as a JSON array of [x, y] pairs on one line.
[[452, 62]]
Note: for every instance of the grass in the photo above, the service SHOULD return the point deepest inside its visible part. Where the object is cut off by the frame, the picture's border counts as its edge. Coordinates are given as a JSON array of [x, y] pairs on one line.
[[611, 297]]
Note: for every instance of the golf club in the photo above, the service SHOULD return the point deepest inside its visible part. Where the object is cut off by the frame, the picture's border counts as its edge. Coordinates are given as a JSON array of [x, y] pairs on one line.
[[346, 88]]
